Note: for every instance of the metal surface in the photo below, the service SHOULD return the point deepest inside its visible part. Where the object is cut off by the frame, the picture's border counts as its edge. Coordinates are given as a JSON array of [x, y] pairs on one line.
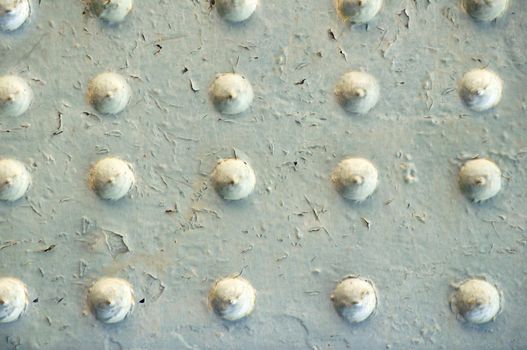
[[294, 238]]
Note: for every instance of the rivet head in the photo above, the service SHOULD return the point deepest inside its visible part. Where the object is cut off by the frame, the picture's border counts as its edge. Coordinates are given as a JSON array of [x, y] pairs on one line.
[[485, 10], [355, 178], [480, 179], [14, 299], [358, 11], [111, 299], [15, 180], [15, 96], [236, 10], [354, 298], [233, 179], [357, 92], [232, 298], [13, 13], [109, 93], [112, 11], [481, 89], [476, 301], [111, 178], [231, 93]]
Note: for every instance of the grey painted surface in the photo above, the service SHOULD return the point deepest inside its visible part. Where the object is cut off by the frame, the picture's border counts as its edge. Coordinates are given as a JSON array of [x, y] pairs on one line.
[[425, 238]]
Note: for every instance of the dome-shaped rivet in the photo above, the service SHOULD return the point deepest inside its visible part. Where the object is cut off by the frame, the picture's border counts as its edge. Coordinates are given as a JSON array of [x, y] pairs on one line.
[[13, 299], [481, 89], [358, 11], [236, 10], [111, 178], [485, 10], [233, 178], [357, 92], [354, 298], [111, 299], [231, 93], [476, 301], [480, 179], [355, 178], [109, 93], [112, 11], [14, 180], [232, 298], [13, 13], [15, 96]]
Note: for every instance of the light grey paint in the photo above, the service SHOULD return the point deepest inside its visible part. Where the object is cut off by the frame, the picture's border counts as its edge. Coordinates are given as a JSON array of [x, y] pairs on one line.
[[422, 236]]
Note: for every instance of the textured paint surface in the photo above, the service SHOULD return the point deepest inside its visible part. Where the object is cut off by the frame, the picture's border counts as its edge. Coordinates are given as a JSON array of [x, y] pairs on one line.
[[294, 237]]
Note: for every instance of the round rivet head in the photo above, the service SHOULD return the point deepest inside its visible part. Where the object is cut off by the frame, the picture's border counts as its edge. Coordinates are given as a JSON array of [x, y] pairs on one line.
[[111, 299], [355, 299], [355, 178], [13, 13], [15, 96], [231, 93], [112, 11], [357, 92], [13, 299], [14, 180], [481, 89], [111, 178], [109, 93], [236, 10], [358, 11], [485, 10], [480, 179], [233, 178], [232, 298], [476, 301]]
